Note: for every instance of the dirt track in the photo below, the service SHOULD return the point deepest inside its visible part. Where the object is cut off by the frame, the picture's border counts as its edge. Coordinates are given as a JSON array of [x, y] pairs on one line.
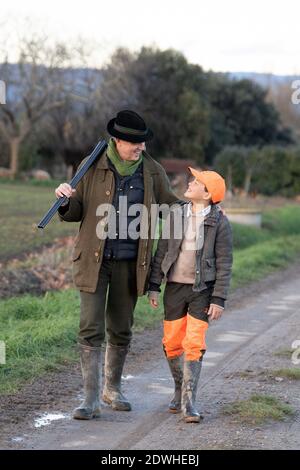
[[259, 320]]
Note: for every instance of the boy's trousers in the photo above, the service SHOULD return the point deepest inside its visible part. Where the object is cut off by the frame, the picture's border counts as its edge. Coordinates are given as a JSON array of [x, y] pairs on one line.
[[186, 320]]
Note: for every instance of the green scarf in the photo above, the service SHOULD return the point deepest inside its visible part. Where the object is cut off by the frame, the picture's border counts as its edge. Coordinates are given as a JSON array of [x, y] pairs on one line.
[[123, 167]]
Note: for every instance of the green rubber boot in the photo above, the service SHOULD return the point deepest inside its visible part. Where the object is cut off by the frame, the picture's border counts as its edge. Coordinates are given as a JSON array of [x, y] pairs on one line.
[[176, 371], [114, 362], [191, 374], [91, 366]]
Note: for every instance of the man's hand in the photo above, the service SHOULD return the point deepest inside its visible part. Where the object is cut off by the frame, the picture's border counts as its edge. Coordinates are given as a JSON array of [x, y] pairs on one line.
[[153, 298], [64, 189], [215, 312]]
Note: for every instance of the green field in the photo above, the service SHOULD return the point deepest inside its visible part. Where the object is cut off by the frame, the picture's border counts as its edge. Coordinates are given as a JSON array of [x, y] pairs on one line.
[[40, 332], [22, 206]]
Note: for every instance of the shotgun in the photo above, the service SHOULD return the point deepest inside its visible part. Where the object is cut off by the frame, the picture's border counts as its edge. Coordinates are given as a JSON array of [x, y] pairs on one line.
[[98, 150]]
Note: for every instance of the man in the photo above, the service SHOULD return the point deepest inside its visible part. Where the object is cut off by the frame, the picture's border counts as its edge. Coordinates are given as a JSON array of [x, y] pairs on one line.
[[117, 267]]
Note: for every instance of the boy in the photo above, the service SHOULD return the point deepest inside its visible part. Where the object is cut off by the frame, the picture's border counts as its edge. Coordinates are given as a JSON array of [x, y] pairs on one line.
[[197, 266]]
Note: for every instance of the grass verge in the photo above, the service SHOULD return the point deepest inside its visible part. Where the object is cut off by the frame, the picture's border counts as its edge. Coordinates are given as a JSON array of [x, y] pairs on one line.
[[257, 261], [258, 409], [292, 373], [284, 352], [40, 334]]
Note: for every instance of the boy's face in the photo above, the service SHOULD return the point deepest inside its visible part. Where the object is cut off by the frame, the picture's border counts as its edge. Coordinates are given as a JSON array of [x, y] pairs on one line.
[[196, 191]]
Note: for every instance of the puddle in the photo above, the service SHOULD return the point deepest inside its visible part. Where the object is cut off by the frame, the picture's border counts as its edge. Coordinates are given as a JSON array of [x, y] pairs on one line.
[[279, 307], [292, 297], [161, 389], [17, 439], [212, 355], [208, 364], [241, 333], [47, 418], [227, 337], [127, 377]]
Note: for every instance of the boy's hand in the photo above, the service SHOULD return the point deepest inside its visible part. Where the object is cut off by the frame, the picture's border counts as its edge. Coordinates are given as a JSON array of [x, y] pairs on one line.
[[153, 298], [215, 312]]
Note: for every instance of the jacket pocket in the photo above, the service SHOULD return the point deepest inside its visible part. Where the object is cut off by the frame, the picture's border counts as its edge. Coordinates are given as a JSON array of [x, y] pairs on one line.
[[136, 192], [210, 269], [77, 270], [76, 254]]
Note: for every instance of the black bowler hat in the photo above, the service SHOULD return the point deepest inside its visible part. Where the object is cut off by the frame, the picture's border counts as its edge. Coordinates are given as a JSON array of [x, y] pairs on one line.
[[129, 126]]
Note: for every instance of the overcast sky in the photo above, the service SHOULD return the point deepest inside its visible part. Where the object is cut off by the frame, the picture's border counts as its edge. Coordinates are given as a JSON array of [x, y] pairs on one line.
[[228, 35]]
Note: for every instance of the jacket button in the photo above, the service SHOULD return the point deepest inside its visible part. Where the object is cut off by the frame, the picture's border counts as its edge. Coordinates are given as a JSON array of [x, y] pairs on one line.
[[107, 193], [96, 253]]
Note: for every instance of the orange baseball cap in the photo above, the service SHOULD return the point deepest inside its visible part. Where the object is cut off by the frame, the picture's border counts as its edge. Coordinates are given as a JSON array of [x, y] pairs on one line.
[[214, 183]]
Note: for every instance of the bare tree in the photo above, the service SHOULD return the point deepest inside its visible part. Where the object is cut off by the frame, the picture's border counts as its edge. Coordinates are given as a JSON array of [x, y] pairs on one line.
[[34, 87], [76, 126]]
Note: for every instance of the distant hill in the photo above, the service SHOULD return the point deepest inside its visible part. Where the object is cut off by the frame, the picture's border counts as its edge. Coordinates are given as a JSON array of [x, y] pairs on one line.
[[266, 80], [76, 77]]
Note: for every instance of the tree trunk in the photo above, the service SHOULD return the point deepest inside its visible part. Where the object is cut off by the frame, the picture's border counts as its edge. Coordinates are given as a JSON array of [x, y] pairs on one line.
[[229, 178], [247, 181], [14, 156], [69, 172]]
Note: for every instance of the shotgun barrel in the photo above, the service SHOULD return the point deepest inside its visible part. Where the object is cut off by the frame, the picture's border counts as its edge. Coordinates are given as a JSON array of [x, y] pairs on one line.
[[98, 150]]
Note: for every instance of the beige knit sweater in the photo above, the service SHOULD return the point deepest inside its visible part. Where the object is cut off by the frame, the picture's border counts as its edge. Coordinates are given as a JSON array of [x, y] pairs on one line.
[[183, 270]]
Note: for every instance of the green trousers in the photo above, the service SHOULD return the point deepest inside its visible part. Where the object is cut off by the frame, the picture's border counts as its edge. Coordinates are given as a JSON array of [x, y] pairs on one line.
[[109, 311]]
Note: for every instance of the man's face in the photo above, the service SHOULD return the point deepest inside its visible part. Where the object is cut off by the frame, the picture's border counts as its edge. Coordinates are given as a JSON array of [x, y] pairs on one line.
[[196, 191], [129, 150]]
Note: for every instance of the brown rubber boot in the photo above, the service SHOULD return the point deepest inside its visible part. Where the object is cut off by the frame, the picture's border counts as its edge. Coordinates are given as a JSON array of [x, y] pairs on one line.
[[191, 374], [91, 366], [114, 362], [176, 371]]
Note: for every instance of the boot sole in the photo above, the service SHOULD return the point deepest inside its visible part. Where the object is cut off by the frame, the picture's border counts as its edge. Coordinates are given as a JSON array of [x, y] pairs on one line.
[[96, 414], [174, 411], [193, 419], [114, 406]]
